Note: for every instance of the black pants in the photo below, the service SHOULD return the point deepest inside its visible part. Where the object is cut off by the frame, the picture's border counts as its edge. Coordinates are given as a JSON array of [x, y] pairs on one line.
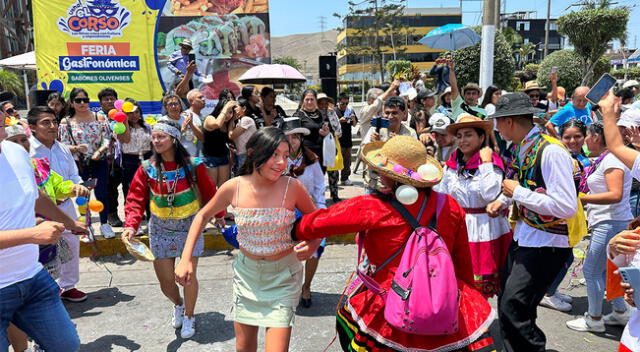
[[529, 273], [115, 178]]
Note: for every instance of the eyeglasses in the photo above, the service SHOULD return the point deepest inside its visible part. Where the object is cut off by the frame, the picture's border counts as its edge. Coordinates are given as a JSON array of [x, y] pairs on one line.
[[81, 100], [10, 110], [173, 105], [534, 96]]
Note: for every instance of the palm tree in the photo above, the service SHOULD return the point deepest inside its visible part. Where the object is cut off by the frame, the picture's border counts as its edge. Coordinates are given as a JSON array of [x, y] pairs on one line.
[[524, 51], [11, 82], [512, 37]]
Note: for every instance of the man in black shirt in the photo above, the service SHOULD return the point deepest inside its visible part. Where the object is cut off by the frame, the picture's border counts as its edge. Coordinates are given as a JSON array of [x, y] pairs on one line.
[[348, 119]]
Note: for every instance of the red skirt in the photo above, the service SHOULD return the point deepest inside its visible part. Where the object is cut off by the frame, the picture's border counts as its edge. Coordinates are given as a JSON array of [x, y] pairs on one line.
[[362, 327]]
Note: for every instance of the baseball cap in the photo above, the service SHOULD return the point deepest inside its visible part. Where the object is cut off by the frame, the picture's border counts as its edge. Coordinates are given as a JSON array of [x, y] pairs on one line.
[[439, 123], [630, 118], [631, 83]]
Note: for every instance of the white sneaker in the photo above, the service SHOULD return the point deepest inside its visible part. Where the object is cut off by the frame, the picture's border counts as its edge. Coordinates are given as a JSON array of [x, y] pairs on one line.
[[106, 231], [586, 324], [188, 327], [554, 302], [563, 297], [347, 183], [178, 315], [615, 318]]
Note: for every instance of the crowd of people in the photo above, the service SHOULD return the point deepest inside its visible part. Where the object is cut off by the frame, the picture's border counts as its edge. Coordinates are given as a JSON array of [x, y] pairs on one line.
[[509, 181]]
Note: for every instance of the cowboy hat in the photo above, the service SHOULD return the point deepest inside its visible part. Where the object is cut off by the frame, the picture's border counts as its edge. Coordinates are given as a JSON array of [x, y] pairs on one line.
[[472, 86], [469, 121], [400, 158], [531, 85], [514, 104], [186, 43], [293, 125], [324, 96]]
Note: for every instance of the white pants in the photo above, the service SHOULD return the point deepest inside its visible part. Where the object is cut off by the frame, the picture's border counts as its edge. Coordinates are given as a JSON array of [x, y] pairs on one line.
[[70, 271]]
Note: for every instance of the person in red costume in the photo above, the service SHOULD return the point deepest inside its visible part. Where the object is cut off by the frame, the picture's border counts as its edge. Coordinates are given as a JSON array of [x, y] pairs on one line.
[[360, 321], [172, 185]]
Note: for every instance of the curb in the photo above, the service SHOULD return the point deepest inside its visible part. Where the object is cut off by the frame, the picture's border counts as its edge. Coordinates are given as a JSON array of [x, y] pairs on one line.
[[213, 240]]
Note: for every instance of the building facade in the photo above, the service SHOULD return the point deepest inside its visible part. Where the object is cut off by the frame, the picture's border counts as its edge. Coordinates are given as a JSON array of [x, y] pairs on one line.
[[419, 20], [16, 34], [532, 31]]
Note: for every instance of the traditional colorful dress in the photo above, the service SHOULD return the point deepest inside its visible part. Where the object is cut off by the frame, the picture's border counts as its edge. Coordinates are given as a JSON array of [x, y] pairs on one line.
[[360, 322], [474, 185], [174, 197]]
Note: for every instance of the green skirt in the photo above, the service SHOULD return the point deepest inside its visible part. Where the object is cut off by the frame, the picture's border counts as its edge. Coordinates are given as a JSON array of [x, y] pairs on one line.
[[266, 292]]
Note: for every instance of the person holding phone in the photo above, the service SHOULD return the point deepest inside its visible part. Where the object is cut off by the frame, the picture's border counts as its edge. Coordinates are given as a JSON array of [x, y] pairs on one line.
[[579, 108], [473, 176], [180, 59], [441, 72]]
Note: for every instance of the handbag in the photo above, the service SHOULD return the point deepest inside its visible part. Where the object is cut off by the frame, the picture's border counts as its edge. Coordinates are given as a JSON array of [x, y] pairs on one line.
[[339, 161], [329, 150]]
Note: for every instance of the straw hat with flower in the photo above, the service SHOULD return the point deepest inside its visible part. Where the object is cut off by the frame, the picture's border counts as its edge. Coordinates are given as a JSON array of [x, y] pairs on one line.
[[469, 121], [403, 159]]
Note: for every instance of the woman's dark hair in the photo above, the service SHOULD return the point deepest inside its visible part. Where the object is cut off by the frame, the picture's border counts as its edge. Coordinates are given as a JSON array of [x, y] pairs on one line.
[[266, 91], [224, 93], [625, 93], [167, 98], [442, 101], [218, 109], [72, 96], [141, 119], [260, 148], [488, 93], [57, 96], [181, 156], [573, 123], [244, 103], [597, 128], [304, 94], [247, 91]]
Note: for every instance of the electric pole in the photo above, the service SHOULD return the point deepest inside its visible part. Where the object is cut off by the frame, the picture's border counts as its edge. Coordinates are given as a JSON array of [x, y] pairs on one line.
[[497, 20], [546, 29], [487, 43]]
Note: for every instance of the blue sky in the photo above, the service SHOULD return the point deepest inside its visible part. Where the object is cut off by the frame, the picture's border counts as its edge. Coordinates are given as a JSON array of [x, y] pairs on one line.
[[303, 16]]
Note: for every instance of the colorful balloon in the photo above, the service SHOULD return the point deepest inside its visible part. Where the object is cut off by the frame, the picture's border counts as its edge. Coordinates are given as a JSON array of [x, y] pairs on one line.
[[81, 201], [118, 104], [119, 128], [406, 194], [112, 113], [82, 209], [127, 106], [82, 219], [96, 206], [119, 116]]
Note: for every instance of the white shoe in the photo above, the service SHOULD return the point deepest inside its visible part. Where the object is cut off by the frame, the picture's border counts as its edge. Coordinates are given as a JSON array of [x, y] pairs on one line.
[[188, 327], [178, 315], [106, 231], [586, 324], [347, 183], [563, 297], [554, 302], [615, 318]]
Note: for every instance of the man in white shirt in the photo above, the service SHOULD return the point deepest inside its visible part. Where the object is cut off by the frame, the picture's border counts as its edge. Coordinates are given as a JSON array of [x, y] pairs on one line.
[[28, 294], [375, 101], [196, 104], [545, 194], [44, 128]]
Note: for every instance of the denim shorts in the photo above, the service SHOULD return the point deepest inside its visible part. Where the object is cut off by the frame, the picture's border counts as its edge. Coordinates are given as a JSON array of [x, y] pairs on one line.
[[215, 161]]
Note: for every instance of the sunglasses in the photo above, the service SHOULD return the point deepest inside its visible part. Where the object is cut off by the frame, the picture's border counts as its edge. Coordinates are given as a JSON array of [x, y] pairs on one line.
[[10, 110], [172, 105], [81, 100], [534, 96]]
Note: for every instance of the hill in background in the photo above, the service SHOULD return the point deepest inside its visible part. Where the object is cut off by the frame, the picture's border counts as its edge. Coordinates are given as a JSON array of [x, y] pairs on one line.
[[305, 48]]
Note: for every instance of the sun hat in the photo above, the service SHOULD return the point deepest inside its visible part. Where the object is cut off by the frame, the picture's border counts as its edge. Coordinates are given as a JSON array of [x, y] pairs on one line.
[[439, 123], [473, 86], [138, 249], [324, 96], [630, 118], [425, 93], [400, 158], [469, 121], [631, 83], [293, 125], [514, 104], [15, 130], [532, 85], [186, 43]]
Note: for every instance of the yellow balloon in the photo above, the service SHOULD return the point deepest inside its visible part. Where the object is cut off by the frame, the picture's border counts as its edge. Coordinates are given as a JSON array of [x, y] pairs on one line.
[[127, 106], [82, 209], [82, 219]]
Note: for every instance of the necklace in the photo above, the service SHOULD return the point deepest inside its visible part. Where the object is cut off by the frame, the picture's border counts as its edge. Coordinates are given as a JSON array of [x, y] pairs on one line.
[[171, 186]]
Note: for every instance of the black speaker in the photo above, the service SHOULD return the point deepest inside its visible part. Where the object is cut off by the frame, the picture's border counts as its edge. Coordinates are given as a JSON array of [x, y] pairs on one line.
[[328, 67], [330, 87], [39, 97], [6, 96]]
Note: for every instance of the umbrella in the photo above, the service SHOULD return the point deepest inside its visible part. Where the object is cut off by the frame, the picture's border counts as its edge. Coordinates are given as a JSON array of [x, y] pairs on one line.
[[451, 36], [272, 74]]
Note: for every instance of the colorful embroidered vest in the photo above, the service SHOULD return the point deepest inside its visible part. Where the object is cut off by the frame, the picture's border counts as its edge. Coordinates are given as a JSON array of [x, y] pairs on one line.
[[530, 177], [185, 201], [50, 182]]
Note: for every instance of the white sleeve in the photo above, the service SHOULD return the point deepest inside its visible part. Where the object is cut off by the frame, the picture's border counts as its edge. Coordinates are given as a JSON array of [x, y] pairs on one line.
[[442, 186], [560, 197], [635, 171], [367, 137], [318, 185], [490, 182]]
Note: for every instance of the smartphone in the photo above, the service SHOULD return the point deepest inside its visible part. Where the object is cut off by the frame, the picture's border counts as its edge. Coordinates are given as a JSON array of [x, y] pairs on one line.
[[192, 57], [604, 84], [90, 183], [554, 69], [631, 275], [379, 123]]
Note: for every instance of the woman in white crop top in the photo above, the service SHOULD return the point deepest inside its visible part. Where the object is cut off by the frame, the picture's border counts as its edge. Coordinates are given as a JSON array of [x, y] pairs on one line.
[[267, 272]]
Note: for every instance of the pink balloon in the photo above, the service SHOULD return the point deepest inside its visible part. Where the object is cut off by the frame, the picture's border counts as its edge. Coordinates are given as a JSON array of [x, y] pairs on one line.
[[118, 104]]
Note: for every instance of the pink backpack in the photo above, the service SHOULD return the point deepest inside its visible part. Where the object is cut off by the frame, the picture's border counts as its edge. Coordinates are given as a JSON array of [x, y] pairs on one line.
[[423, 298]]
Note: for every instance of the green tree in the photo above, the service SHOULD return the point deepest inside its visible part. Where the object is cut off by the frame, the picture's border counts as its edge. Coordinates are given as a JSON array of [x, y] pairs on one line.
[[512, 37], [288, 60], [590, 29], [11, 82], [523, 52], [569, 67], [373, 25], [468, 62]]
